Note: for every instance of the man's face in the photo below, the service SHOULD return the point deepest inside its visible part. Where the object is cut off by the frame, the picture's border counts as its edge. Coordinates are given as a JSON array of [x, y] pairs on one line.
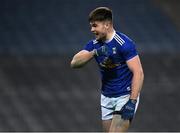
[[99, 29]]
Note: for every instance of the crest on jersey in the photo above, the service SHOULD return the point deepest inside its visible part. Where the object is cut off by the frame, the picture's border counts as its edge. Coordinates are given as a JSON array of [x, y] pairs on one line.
[[114, 50]]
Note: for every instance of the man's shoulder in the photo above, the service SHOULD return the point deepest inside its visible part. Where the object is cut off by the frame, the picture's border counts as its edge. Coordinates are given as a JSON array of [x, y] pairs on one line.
[[125, 42], [119, 39], [123, 39], [123, 36]]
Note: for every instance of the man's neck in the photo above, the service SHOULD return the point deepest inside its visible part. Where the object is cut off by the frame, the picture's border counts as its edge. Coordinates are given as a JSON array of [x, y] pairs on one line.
[[110, 35]]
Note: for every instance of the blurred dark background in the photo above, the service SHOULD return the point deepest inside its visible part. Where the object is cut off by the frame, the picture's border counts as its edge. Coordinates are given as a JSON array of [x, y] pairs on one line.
[[40, 92]]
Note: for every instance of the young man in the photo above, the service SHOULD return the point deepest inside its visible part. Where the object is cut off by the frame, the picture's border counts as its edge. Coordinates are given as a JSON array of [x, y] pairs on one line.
[[121, 71]]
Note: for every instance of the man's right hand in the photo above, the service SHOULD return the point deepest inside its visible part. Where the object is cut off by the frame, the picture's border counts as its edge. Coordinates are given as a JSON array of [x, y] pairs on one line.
[[103, 50]]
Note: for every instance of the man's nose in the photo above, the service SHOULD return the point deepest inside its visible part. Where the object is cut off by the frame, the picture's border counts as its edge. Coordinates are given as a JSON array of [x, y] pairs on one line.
[[92, 29]]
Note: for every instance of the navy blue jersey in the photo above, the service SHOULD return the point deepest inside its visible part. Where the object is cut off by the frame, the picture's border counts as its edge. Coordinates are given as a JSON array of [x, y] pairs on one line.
[[115, 74]]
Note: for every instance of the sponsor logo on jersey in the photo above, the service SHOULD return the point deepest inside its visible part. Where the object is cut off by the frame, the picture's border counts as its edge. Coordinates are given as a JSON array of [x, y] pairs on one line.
[[107, 63]]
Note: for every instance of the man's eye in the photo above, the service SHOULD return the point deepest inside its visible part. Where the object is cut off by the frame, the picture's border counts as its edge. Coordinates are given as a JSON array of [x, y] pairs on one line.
[[94, 25]]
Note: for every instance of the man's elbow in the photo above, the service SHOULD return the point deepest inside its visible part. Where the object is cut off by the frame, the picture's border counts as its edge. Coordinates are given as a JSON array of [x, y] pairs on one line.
[[73, 64], [139, 73]]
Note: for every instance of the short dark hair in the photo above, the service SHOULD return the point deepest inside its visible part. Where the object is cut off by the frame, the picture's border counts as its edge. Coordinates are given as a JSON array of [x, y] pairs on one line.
[[101, 14]]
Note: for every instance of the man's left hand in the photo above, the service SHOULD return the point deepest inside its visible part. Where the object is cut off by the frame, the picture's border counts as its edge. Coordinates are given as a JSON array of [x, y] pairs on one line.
[[128, 110]]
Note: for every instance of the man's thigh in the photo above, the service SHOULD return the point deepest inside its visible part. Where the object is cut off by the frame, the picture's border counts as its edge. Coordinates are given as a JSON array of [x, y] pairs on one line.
[[106, 125], [107, 115], [108, 106], [118, 124]]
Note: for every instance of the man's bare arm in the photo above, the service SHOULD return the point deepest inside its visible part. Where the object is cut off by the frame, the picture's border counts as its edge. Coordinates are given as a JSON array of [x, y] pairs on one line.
[[135, 66], [81, 58]]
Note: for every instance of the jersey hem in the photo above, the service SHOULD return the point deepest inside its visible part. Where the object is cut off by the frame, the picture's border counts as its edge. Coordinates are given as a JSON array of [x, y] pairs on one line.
[[116, 95]]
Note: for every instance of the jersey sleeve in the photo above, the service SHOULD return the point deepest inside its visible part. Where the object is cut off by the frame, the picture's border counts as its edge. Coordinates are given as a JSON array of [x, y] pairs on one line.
[[129, 50], [89, 46]]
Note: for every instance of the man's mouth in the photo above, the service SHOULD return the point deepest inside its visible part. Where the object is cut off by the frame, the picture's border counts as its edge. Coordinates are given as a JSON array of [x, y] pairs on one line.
[[96, 34]]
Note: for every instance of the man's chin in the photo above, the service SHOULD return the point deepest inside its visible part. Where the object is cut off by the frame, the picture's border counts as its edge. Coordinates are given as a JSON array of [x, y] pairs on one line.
[[99, 39]]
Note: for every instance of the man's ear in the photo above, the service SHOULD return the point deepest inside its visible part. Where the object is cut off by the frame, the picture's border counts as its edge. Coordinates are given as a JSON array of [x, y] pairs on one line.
[[106, 25]]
